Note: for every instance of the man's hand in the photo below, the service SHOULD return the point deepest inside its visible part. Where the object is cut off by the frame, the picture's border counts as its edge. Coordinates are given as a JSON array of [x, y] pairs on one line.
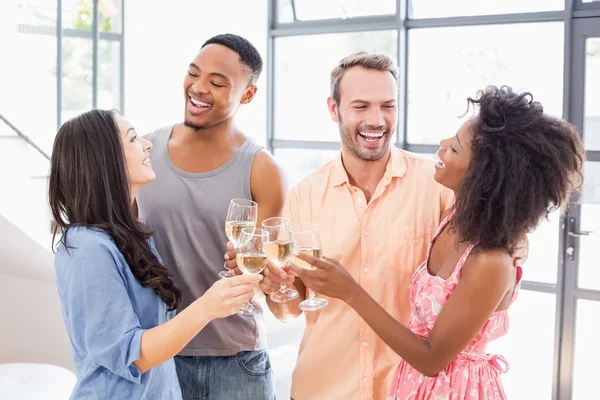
[[274, 278], [521, 252], [230, 260]]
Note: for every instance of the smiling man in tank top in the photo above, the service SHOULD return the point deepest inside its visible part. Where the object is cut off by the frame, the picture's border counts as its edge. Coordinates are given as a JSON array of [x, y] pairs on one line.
[[201, 164]]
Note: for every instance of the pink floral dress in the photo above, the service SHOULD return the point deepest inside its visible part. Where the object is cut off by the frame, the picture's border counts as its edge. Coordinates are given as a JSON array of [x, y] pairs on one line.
[[473, 374]]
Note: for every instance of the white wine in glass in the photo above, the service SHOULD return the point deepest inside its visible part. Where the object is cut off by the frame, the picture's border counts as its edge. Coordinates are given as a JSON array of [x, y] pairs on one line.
[[251, 259], [306, 240], [242, 213], [279, 251]]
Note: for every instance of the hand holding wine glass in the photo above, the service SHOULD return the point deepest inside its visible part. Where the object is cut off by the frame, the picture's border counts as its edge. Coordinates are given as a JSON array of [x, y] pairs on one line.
[[251, 258], [242, 213], [279, 252], [307, 241]]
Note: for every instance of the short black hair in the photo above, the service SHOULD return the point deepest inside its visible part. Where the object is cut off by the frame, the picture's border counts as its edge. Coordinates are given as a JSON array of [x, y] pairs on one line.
[[524, 164], [249, 56]]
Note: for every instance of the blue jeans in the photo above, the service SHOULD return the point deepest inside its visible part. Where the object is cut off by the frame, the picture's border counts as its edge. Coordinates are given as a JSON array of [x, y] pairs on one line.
[[246, 375]]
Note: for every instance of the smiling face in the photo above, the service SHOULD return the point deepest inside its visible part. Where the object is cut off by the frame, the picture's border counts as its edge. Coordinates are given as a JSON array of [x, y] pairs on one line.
[[215, 85], [454, 157], [366, 113], [137, 156]]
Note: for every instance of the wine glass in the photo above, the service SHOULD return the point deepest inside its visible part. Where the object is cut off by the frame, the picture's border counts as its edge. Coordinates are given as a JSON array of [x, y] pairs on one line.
[[251, 258], [306, 240], [242, 214], [279, 251]]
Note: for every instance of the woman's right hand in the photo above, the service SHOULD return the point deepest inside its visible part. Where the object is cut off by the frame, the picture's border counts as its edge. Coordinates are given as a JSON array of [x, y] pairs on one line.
[[226, 296]]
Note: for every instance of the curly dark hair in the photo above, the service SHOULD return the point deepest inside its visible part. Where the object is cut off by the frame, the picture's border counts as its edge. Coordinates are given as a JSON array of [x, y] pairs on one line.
[[524, 165], [89, 187]]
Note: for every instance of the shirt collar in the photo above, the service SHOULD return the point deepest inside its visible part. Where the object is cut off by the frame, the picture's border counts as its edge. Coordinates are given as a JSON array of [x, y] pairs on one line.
[[395, 168]]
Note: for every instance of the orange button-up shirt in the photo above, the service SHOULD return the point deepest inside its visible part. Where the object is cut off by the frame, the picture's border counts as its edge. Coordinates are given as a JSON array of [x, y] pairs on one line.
[[381, 244]]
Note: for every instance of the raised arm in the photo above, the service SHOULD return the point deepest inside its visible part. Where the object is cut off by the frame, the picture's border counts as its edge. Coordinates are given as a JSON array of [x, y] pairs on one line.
[[485, 280], [101, 320]]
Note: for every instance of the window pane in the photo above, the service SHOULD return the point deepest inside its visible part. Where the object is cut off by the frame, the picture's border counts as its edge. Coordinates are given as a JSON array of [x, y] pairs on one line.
[[445, 8], [542, 261], [589, 275], [28, 72], [302, 68], [587, 351], [591, 121], [79, 14], [34, 12], [447, 65], [76, 77], [298, 163], [531, 356], [306, 10], [109, 74]]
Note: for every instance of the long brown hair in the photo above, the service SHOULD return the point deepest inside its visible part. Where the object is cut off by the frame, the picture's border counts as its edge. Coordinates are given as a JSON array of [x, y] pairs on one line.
[[89, 187]]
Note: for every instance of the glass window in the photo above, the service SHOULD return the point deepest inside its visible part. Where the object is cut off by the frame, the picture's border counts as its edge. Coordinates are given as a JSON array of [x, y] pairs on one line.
[[530, 356], [76, 77], [542, 261], [447, 65], [79, 14], [589, 275], [587, 352], [591, 121], [33, 12], [298, 163], [306, 10], [302, 68], [28, 78], [454, 8], [109, 74]]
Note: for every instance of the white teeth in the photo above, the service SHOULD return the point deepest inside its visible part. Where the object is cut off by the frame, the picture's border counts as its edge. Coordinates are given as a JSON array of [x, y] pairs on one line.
[[146, 161], [199, 103], [372, 134]]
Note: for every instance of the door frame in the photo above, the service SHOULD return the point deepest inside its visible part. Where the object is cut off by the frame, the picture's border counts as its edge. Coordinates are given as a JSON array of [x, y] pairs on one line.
[[581, 30]]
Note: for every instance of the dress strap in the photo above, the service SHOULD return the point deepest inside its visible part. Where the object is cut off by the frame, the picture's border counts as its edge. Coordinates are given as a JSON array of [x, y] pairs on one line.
[[440, 228], [517, 286], [463, 259]]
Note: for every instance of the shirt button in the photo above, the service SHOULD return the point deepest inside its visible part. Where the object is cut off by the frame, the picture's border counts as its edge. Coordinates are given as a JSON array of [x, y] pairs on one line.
[[365, 380], [366, 233], [366, 269], [365, 344]]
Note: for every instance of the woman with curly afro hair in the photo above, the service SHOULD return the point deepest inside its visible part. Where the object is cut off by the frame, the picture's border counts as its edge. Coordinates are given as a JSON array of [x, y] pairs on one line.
[[509, 166]]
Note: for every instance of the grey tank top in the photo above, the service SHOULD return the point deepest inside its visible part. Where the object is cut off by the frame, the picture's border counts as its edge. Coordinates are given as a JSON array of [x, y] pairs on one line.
[[187, 212]]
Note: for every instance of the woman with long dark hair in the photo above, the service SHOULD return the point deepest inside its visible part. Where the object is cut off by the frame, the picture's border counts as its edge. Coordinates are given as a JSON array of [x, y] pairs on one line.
[[509, 166], [117, 298]]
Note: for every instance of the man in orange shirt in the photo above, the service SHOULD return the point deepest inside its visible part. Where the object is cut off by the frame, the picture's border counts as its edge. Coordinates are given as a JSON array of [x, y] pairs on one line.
[[376, 208]]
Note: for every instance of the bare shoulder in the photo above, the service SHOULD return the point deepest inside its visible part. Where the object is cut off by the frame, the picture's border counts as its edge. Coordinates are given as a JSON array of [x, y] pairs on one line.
[[266, 171], [265, 160], [496, 265]]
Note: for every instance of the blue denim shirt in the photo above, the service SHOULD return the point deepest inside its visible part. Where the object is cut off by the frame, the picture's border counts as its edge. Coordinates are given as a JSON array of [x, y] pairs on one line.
[[106, 310]]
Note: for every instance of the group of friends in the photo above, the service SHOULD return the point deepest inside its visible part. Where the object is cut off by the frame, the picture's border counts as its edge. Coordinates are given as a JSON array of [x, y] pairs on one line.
[[421, 258]]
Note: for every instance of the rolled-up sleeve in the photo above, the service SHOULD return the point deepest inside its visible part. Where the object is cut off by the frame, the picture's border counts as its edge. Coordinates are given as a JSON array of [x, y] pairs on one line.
[[98, 311]]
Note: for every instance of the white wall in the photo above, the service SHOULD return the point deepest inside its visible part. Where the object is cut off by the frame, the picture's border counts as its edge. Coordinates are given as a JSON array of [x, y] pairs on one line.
[[162, 38], [32, 328]]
